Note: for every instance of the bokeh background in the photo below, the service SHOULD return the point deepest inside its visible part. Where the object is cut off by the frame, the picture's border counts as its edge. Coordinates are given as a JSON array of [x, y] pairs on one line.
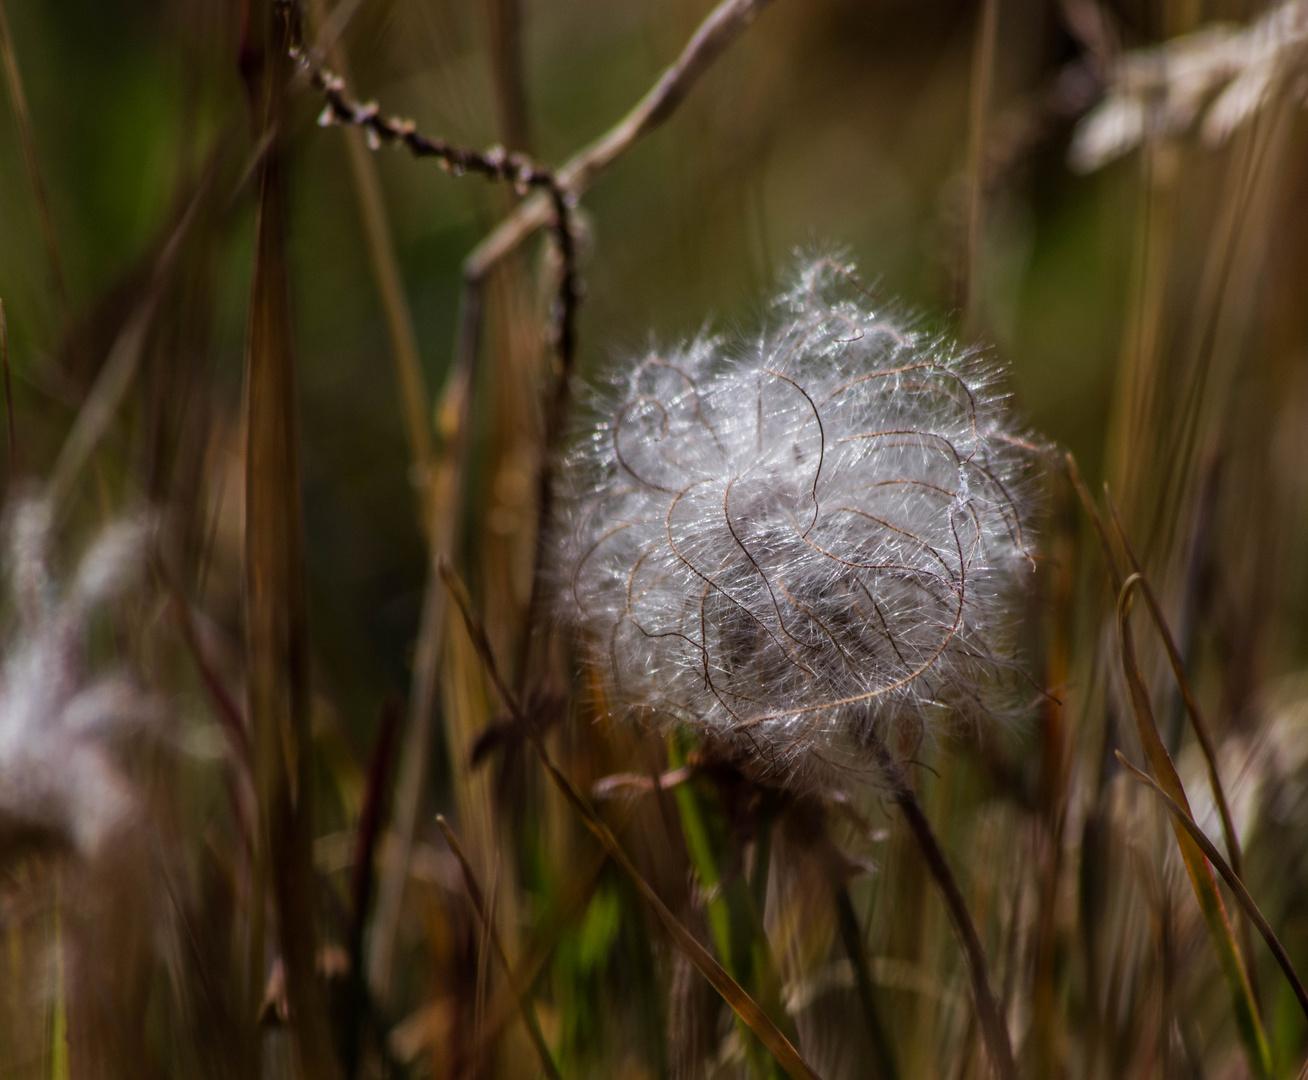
[[1151, 314]]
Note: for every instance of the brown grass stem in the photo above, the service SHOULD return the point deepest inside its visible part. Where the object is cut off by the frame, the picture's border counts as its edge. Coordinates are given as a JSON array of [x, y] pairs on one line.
[[1229, 875], [487, 919], [1201, 729], [983, 78], [1248, 1021], [454, 422], [18, 100], [276, 615], [994, 1028], [851, 937], [118, 371], [372, 818], [732, 992], [390, 287], [11, 429]]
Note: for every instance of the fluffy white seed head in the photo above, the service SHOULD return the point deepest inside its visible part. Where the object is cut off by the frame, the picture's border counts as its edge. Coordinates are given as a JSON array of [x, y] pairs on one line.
[[59, 785], [801, 544]]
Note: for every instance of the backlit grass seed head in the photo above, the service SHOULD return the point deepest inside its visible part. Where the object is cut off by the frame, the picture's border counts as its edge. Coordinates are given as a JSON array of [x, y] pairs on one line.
[[805, 543], [59, 785]]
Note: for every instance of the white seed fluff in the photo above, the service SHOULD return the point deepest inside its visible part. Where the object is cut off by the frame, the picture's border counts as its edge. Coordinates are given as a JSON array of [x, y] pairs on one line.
[[59, 784], [805, 544]]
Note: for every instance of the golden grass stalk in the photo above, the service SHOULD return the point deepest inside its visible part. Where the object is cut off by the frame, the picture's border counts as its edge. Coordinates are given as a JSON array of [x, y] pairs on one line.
[[1257, 1052]]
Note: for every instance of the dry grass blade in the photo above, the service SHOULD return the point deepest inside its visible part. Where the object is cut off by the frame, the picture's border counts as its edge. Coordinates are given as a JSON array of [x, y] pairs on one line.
[[520, 990], [277, 658], [994, 1028], [1228, 873], [1202, 732], [11, 429], [1250, 1026], [446, 509], [18, 99], [983, 73], [732, 992], [119, 368], [1201, 729], [1105, 546], [851, 936]]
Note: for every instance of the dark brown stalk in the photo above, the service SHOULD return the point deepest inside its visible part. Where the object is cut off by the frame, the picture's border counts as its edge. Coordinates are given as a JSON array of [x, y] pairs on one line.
[[372, 817], [993, 1027], [277, 660], [414, 402], [851, 937], [487, 917]]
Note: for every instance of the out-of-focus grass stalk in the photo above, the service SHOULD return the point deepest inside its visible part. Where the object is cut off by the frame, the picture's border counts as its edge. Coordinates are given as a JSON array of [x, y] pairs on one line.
[[1247, 903], [277, 657], [1055, 768], [851, 936], [18, 100], [517, 985], [1257, 1052], [736, 941], [11, 428], [983, 78], [120, 366], [1137, 371], [390, 288], [58, 1058], [453, 425]]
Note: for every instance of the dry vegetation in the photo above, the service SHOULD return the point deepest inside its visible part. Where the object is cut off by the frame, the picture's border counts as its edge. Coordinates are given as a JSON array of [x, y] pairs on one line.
[[379, 701]]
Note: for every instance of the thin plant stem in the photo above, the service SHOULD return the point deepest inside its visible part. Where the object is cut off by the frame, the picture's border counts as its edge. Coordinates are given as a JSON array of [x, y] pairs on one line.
[[851, 937], [487, 917], [11, 429], [1231, 878], [390, 288], [983, 77], [993, 1027], [18, 100]]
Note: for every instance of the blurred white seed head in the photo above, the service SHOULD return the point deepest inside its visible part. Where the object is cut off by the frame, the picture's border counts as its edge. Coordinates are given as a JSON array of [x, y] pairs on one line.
[[58, 782], [1220, 77], [804, 543]]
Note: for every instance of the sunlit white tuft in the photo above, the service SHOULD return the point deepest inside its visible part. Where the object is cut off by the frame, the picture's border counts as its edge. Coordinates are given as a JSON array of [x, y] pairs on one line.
[[804, 544], [58, 781]]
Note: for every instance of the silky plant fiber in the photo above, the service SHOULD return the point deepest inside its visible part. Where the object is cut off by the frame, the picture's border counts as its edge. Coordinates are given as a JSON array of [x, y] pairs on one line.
[[807, 545]]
